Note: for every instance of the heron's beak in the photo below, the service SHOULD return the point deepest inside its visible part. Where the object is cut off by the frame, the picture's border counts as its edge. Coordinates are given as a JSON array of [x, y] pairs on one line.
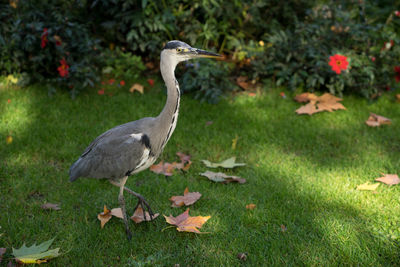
[[205, 54]]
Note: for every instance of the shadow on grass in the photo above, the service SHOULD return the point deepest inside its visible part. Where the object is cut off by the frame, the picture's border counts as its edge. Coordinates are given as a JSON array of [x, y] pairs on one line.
[[319, 230]]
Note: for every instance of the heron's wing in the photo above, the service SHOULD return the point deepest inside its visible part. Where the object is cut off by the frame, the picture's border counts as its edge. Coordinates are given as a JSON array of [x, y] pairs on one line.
[[113, 154]]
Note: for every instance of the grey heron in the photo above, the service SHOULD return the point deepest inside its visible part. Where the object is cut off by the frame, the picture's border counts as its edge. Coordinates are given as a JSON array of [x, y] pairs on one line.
[[133, 147]]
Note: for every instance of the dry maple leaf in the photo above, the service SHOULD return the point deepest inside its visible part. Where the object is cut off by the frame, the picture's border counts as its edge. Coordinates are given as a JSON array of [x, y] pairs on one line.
[[162, 168], [389, 179], [186, 223], [168, 168], [305, 97], [138, 215], [117, 212], [326, 102], [187, 199], [220, 177], [104, 216], [375, 120], [50, 206], [136, 87], [367, 186]]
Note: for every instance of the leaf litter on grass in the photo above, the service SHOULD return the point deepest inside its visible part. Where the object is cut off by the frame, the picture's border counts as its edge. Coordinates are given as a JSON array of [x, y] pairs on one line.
[[139, 216], [368, 187], [35, 254], [186, 223], [227, 164], [187, 199], [325, 102], [106, 215], [220, 177], [389, 179], [375, 120]]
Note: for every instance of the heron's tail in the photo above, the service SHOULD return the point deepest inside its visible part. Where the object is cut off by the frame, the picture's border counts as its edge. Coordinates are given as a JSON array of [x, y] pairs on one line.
[[74, 171]]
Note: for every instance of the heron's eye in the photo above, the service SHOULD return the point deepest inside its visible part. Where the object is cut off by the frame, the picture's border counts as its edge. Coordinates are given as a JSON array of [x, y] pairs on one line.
[[179, 49]]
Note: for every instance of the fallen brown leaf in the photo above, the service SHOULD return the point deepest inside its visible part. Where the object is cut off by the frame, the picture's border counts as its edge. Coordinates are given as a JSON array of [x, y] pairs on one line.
[[104, 216], [389, 179], [117, 212], [305, 97], [137, 87], [50, 206], [163, 168], [375, 120], [187, 199], [398, 97], [326, 102], [168, 168], [251, 206], [220, 177], [186, 223], [138, 215]]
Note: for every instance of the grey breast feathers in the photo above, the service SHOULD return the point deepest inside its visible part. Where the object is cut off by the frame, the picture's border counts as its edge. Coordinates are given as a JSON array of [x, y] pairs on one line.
[[116, 153]]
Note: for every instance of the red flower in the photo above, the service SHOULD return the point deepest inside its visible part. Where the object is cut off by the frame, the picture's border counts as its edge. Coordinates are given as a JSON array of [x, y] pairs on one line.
[[373, 59], [44, 39], [338, 63], [397, 13], [101, 92], [397, 70], [111, 81], [122, 83], [151, 82], [63, 68]]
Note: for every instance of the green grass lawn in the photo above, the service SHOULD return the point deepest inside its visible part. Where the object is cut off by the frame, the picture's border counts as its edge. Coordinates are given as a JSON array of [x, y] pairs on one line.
[[302, 172]]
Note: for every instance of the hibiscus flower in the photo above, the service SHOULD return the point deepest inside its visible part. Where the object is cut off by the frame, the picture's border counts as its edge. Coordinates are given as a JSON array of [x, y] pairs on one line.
[[338, 63], [63, 68]]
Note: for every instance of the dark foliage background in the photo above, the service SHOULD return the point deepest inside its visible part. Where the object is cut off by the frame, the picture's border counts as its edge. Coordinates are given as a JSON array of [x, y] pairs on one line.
[[288, 42]]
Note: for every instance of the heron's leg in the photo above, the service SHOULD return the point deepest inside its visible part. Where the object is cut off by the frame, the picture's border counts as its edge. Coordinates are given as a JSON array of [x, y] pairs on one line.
[[142, 202], [121, 199]]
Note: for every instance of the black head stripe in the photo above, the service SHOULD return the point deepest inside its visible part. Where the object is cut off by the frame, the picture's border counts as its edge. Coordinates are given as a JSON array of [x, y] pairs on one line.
[[175, 44]]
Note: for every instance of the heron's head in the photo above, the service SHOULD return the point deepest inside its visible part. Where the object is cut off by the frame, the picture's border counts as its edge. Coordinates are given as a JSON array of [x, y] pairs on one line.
[[177, 51]]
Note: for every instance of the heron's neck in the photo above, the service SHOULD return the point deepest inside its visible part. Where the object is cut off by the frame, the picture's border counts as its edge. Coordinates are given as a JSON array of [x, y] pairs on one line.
[[169, 115]]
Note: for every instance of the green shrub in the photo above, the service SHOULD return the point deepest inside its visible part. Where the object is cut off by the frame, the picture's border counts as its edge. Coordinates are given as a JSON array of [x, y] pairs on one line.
[[207, 79], [121, 65], [299, 58], [50, 41]]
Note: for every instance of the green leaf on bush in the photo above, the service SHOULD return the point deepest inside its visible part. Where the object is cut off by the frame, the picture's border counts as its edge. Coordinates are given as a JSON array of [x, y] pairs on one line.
[[228, 163], [34, 253]]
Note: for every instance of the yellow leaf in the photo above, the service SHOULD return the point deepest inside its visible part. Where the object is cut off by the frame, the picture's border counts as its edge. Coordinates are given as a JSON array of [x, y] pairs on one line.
[[9, 139], [368, 187], [234, 142], [136, 87]]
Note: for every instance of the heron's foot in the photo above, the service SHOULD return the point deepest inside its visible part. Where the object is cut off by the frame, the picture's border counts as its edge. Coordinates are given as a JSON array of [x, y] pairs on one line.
[[145, 206], [142, 202]]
